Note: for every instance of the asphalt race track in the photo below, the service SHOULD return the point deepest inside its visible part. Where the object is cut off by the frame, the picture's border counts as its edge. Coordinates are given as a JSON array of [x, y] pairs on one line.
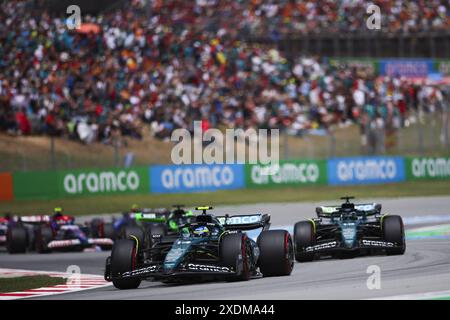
[[425, 267]]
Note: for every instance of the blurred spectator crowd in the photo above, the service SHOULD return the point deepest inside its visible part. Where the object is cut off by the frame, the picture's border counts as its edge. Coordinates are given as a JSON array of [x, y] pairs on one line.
[[163, 65], [276, 18]]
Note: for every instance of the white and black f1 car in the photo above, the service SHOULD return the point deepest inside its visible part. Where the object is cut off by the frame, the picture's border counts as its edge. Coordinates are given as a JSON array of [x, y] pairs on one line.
[[207, 248], [45, 233], [349, 230]]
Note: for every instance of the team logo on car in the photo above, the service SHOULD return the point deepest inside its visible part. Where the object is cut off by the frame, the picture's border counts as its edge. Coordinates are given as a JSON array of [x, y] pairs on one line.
[[202, 267], [327, 245], [373, 243], [149, 269]]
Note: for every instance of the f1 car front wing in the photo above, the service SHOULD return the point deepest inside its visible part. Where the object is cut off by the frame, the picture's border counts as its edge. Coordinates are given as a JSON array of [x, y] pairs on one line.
[[335, 245], [191, 269]]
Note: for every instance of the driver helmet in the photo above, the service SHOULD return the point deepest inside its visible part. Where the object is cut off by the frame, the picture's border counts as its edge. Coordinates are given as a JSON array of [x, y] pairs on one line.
[[201, 231], [57, 212], [135, 208]]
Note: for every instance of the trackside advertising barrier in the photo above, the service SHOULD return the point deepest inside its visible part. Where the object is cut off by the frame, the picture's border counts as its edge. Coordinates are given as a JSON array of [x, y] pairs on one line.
[[48, 185], [427, 168], [287, 173], [6, 186], [206, 178], [365, 170], [196, 178], [410, 68], [84, 182], [404, 67], [35, 185]]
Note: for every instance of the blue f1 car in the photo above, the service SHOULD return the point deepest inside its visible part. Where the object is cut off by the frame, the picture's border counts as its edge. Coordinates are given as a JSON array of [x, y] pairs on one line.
[[349, 230], [45, 233], [207, 248]]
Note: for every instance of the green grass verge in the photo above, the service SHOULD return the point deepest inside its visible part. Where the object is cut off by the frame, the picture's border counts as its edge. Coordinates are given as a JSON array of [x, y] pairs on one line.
[[28, 282], [119, 203]]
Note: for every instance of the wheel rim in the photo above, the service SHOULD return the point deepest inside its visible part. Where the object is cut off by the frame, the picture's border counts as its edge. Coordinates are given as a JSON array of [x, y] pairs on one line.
[[289, 254]]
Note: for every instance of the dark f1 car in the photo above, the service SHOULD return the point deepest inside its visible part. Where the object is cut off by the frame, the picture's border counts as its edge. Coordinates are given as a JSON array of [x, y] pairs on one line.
[[206, 249], [62, 234], [347, 231], [45, 233], [160, 221]]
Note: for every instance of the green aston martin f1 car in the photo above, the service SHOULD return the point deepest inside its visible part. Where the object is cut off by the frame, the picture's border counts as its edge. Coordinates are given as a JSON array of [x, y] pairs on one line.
[[206, 248]]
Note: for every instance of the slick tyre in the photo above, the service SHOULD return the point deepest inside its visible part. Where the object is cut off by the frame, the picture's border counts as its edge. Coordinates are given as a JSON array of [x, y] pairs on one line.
[[108, 231], [96, 227], [44, 235], [276, 257], [16, 239], [123, 259], [394, 231], [304, 236], [233, 246], [134, 232]]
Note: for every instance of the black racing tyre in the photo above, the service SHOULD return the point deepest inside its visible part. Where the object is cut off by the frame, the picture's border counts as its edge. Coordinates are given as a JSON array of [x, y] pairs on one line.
[[155, 229], [108, 231], [123, 259], [231, 247], [276, 256], [96, 226], [16, 239], [394, 231], [304, 236], [43, 236], [121, 232], [31, 234], [132, 231]]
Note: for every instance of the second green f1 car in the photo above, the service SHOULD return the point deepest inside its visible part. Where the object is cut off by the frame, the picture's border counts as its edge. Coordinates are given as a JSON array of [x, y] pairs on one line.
[[347, 231]]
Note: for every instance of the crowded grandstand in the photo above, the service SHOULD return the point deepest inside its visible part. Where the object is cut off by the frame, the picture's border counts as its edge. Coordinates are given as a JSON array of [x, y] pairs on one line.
[[160, 65]]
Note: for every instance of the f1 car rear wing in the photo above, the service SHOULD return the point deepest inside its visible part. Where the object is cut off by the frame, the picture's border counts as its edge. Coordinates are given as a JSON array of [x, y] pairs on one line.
[[161, 211], [37, 219], [150, 217], [364, 208], [158, 211], [245, 222]]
